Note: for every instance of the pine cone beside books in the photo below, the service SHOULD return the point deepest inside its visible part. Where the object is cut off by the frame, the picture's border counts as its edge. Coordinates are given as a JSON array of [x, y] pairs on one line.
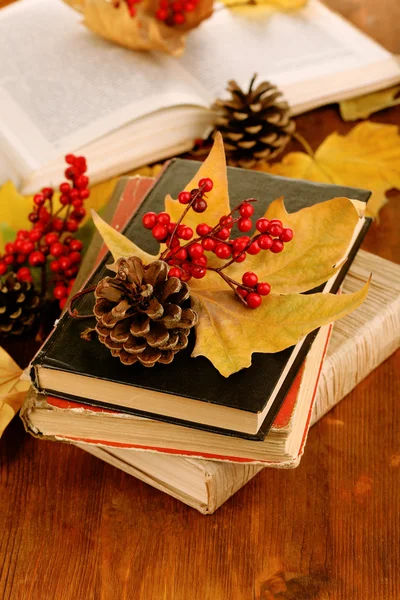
[[140, 315], [19, 304], [255, 125]]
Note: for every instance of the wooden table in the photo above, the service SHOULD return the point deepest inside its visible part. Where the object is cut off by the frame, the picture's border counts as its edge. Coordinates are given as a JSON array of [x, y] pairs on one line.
[[73, 528]]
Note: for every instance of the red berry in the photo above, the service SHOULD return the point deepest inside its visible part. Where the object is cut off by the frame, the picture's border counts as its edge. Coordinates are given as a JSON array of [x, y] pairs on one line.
[[175, 272], [179, 18], [149, 219], [58, 224], [198, 272], [71, 272], [37, 258], [162, 14], [249, 279], [65, 188], [186, 276], [254, 248], [35, 235], [196, 250], [23, 234], [21, 258], [246, 209], [18, 245], [47, 192], [223, 234], [226, 221], [189, 6], [177, 6], [80, 163], [55, 266], [67, 240], [253, 300], [51, 238], [239, 256], [24, 274], [33, 217], [199, 205], [163, 218], [64, 199], [263, 288], [9, 259], [184, 197], [78, 213], [83, 194], [60, 291], [187, 233], [27, 247], [63, 302], [286, 235], [171, 228], [81, 182], [181, 254], [242, 292], [75, 257], [57, 249], [206, 184], [265, 242], [70, 173], [262, 225], [240, 243], [275, 222], [70, 159], [72, 225], [3, 267], [223, 250], [203, 229], [64, 262], [76, 245], [275, 229], [74, 194], [159, 232], [10, 248], [39, 199], [208, 244], [244, 224], [277, 246]]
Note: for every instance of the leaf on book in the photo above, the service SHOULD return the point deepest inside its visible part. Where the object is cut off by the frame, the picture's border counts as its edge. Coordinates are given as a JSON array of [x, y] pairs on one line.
[[251, 7], [364, 106], [228, 332], [144, 31], [12, 389], [368, 156]]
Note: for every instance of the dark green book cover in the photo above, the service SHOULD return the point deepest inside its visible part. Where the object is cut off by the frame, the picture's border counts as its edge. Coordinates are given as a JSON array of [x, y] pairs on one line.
[[196, 378]]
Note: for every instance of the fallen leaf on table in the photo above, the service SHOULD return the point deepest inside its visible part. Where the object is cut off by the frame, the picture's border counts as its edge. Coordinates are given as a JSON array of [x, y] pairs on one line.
[[367, 157], [228, 332], [364, 106], [285, 5], [12, 389]]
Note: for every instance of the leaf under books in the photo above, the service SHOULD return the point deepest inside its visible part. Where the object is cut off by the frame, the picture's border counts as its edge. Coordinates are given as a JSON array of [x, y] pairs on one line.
[[368, 157], [251, 5], [364, 106], [144, 31], [228, 332], [12, 389]]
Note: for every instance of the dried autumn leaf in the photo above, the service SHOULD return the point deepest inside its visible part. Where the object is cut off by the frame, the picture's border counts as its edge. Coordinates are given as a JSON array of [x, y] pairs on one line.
[[368, 156], [228, 332], [12, 389], [364, 106], [284, 5], [143, 32]]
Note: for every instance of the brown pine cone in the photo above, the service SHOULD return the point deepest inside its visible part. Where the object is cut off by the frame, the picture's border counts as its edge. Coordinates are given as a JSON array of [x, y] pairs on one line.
[[254, 125], [19, 306], [139, 313]]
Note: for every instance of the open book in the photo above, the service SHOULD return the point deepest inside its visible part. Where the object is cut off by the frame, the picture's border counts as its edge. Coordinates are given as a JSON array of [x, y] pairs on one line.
[[63, 89]]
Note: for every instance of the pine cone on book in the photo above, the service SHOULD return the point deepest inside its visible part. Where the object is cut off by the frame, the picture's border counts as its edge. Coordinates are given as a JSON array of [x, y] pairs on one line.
[[255, 125], [139, 313], [19, 304]]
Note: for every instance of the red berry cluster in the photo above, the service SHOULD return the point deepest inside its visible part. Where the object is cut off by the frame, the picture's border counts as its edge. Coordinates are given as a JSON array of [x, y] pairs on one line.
[[51, 233], [190, 260], [174, 13]]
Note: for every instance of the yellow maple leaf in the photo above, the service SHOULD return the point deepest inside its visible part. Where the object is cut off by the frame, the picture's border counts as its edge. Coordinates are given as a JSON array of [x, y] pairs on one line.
[[367, 157], [364, 106], [228, 332], [12, 389]]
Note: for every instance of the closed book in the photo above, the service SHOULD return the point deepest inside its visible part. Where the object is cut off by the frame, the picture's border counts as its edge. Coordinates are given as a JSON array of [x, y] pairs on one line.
[[359, 343], [189, 391]]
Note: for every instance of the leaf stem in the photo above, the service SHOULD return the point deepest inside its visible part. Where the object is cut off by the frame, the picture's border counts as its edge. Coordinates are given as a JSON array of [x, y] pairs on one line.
[[302, 140]]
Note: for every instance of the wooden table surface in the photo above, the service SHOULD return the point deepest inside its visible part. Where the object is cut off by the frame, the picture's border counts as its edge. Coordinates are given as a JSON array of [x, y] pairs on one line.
[[74, 528]]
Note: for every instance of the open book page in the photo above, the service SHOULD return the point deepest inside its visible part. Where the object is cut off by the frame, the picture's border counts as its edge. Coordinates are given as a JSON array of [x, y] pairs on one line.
[[61, 86], [313, 54]]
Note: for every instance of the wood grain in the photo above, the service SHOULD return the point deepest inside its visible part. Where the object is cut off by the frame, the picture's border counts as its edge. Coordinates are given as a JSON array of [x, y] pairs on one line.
[[73, 528]]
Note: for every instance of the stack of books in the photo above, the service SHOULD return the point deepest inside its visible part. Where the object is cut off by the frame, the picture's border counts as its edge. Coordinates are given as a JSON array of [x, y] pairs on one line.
[[184, 428]]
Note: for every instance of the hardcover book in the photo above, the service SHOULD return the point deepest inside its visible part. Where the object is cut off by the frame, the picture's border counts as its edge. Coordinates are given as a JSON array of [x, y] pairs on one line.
[[245, 404], [123, 109], [360, 342]]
